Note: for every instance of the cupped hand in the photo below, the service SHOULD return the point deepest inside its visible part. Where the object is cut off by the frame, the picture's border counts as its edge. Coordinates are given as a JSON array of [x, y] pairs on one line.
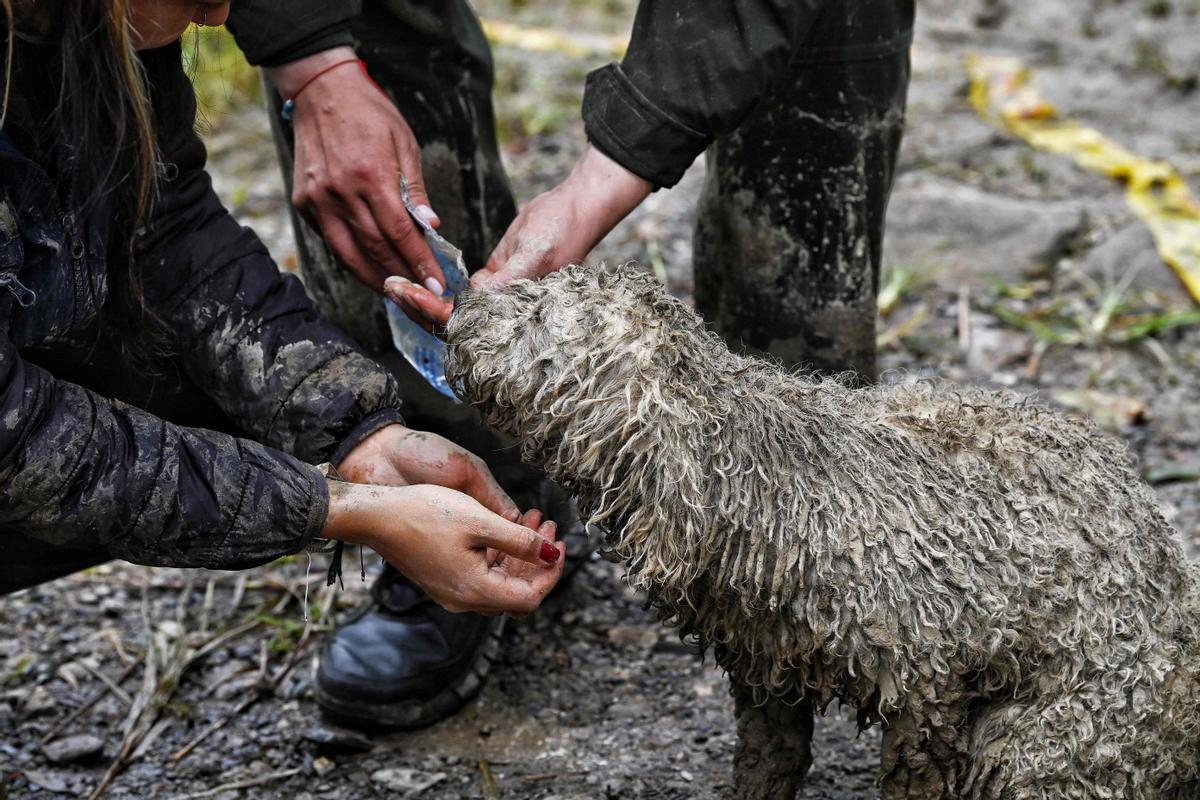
[[463, 555], [352, 145], [399, 456]]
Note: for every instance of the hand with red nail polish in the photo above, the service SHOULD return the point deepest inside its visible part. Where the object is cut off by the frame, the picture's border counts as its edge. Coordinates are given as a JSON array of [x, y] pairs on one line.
[[397, 455], [464, 556]]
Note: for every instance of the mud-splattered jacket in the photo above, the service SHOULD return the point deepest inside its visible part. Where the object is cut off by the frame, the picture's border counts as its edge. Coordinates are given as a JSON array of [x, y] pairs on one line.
[[693, 71], [81, 471]]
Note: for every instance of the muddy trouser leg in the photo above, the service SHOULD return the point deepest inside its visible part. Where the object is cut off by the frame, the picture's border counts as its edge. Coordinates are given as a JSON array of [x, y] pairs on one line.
[[25, 561], [790, 226], [432, 59]]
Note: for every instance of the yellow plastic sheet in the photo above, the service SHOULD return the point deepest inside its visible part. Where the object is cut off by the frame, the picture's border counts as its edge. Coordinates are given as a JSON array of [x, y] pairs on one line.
[[1004, 90], [549, 40]]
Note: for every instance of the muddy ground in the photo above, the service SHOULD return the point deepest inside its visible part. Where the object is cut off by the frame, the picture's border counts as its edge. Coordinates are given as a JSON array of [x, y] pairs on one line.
[[592, 698]]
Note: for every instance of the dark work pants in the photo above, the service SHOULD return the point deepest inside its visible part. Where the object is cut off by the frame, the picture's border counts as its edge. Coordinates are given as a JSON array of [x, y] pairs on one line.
[[790, 228], [432, 59], [101, 366]]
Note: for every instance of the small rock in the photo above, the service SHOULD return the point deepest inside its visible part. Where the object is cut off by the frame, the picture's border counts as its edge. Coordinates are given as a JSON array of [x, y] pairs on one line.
[[673, 645], [322, 766], [170, 628], [1131, 254], [625, 635], [38, 701], [73, 748], [409, 781], [338, 740], [50, 781], [687, 776], [937, 222], [992, 347], [1110, 411]]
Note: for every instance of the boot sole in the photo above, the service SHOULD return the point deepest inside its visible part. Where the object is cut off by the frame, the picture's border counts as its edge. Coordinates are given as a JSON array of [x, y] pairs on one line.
[[417, 713]]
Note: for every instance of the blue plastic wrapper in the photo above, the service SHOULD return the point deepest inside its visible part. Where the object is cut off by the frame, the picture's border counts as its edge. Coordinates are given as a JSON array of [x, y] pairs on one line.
[[426, 352]]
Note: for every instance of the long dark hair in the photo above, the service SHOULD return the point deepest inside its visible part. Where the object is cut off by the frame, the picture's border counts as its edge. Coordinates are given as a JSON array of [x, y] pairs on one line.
[[103, 116]]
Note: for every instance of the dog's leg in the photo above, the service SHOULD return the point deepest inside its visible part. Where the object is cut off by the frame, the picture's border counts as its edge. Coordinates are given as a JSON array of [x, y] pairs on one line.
[[773, 746], [925, 749], [1070, 745]]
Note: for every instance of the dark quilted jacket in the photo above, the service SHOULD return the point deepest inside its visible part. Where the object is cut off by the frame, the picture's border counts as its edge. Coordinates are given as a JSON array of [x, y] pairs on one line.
[[85, 472]]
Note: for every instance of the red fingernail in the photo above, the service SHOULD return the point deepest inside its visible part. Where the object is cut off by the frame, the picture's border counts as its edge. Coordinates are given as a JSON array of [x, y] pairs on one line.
[[549, 552]]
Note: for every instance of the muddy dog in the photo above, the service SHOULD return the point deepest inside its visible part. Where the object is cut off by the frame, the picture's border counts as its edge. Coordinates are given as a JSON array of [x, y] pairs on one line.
[[988, 580]]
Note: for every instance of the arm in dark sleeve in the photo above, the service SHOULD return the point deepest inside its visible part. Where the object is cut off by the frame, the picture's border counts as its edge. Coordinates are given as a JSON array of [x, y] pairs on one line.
[[274, 32], [693, 71], [250, 335], [80, 471]]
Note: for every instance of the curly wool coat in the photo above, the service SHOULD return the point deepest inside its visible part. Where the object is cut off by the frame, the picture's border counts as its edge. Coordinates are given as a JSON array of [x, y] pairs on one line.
[[990, 581]]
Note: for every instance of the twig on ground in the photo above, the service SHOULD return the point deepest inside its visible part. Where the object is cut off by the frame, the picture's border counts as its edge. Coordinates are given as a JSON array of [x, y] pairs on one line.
[[894, 334], [113, 686], [241, 707], [185, 596], [111, 635], [964, 318], [92, 699], [547, 776], [239, 591], [264, 686], [143, 725], [491, 789], [206, 609], [248, 783]]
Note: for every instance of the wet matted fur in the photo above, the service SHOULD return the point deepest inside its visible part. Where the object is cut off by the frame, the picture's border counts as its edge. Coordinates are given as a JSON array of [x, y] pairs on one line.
[[990, 581]]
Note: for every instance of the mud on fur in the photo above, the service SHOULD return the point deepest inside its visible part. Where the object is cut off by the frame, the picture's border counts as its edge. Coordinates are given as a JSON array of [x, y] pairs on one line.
[[988, 580]]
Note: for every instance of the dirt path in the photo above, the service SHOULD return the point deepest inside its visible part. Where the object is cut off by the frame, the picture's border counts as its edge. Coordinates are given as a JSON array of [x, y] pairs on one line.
[[592, 698]]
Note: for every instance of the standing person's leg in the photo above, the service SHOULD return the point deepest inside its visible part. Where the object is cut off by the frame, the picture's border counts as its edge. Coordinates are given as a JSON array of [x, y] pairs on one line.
[[790, 229], [401, 660], [789, 236], [432, 60]]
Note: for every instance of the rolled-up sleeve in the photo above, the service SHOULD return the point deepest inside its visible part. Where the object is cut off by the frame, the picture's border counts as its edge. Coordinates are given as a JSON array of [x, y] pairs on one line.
[[274, 32], [694, 70]]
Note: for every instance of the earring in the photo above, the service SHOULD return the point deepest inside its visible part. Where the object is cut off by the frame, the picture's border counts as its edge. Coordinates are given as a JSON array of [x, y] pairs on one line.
[[204, 20]]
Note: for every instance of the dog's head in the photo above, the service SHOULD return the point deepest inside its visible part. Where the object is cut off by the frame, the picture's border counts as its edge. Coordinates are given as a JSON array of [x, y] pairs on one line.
[[533, 350], [617, 391]]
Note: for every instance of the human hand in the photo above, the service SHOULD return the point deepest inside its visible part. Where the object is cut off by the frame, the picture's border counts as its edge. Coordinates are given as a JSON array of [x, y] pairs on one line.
[[556, 228], [464, 556], [562, 225], [399, 456], [352, 145]]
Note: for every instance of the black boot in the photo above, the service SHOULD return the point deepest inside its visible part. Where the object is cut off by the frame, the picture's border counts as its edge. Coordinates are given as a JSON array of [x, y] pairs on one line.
[[403, 661]]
